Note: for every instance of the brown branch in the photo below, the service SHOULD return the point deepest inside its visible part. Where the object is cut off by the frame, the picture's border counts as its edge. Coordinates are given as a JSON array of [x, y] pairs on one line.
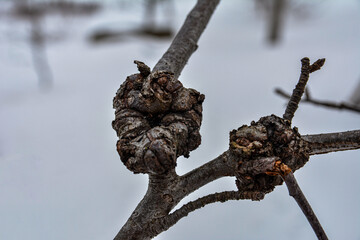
[[297, 194], [185, 42], [223, 165], [142, 103], [158, 120], [333, 142], [295, 98], [328, 104], [274, 166], [162, 224], [289, 178]]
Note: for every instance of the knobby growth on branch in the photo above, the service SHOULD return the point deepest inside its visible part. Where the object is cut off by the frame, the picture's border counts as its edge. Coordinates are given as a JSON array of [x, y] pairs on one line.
[[157, 120]]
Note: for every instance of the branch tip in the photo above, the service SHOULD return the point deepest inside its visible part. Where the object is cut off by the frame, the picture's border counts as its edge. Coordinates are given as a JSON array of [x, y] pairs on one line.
[[295, 98], [143, 68], [297, 194], [317, 65]]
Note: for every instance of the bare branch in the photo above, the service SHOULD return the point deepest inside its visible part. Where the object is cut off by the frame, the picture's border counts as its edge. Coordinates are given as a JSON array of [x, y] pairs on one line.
[[223, 165], [317, 65], [158, 120], [185, 42], [333, 142], [165, 223], [297, 194], [295, 98], [276, 20], [328, 104], [289, 178]]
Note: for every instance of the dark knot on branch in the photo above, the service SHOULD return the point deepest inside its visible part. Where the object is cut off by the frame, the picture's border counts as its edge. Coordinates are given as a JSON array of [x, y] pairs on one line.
[[157, 120], [260, 146]]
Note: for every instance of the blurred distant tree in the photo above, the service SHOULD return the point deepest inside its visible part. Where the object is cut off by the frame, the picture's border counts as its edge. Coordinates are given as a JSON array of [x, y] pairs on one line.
[[277, 12], [352, 105], [274, 11], [35, 13], [150, 27], [276, 20], [37, 41], [355, 97], [158, 120]]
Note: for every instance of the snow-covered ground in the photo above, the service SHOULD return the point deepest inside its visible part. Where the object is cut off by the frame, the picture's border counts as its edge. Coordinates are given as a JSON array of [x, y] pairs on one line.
[[60, 174]]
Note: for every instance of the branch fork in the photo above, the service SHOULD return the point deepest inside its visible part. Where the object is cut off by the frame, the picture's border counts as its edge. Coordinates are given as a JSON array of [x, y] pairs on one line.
[[157, 120]]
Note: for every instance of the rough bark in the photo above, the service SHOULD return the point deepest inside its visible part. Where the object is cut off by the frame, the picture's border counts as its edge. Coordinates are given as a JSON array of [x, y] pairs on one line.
[[288, 176], [295, 98], [157, 120], [185, 42], [333, 142]]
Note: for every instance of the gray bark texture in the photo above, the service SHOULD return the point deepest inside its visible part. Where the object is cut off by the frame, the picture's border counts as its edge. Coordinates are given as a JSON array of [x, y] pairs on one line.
[[185, 42], [157, 120]]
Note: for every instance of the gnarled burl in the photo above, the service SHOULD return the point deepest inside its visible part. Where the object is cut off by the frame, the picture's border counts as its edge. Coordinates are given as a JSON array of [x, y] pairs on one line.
[[270, 140], [157, 120]]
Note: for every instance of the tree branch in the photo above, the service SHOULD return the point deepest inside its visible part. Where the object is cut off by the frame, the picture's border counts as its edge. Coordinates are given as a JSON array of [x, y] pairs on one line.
[[333, 142], [289, 178], [185, 42], [328, 104], [223, 165], [295, 98], [165, 223], [158, 120], [297, 194]]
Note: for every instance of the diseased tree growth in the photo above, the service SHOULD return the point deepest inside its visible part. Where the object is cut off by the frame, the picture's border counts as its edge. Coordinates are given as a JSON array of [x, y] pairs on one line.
[[157, 120]]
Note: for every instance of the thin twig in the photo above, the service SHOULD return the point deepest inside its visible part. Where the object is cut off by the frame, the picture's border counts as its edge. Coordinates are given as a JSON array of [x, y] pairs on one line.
[[289, 178], [328, 104], [297, 194], [295, 98], [185, 42], [170, 220]]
